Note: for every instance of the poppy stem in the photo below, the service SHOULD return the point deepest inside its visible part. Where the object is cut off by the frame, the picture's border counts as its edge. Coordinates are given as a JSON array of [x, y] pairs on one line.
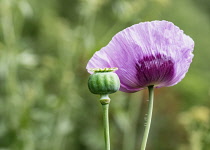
[[149, 117], [105, 100]]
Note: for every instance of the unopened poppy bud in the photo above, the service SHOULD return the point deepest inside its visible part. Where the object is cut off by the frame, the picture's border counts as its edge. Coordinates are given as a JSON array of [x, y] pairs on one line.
[[103, 81]]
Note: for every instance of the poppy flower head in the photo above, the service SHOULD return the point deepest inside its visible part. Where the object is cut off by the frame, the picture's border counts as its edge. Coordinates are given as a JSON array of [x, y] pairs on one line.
[[150, 53]]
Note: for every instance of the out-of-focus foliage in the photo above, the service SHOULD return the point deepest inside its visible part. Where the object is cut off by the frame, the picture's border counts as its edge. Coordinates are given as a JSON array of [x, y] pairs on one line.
[[196, 121], [44, 100]]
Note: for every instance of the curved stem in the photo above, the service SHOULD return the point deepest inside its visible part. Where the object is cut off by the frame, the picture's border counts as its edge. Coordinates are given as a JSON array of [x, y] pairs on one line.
[[149, 117]]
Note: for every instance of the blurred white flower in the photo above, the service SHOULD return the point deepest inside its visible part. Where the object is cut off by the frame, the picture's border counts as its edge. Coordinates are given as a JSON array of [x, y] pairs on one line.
[[28, 59]]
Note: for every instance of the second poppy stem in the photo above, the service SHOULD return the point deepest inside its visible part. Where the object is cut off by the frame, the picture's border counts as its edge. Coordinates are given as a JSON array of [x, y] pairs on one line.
[[149, 117], [105, 100]]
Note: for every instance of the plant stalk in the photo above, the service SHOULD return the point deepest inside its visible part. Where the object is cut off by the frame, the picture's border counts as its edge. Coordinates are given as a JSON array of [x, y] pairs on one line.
[[105, 105], [149, 117]]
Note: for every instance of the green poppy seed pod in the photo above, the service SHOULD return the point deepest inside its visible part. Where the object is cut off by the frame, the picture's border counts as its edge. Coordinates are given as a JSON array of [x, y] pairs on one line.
[[104, 81]]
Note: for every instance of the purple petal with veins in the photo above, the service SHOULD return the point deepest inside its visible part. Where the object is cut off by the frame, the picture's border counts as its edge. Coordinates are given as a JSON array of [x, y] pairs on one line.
[[150, 53]]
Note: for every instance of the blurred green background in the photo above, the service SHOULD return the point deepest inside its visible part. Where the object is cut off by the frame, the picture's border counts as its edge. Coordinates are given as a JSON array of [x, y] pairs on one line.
[[44, 100]]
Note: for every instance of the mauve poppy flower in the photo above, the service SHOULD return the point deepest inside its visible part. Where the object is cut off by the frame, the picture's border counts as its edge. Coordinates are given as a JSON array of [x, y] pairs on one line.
[[150, 53]]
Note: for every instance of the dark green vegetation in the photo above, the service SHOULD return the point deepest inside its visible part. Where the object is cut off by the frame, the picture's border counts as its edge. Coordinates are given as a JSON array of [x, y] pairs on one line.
[[45, 103]]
